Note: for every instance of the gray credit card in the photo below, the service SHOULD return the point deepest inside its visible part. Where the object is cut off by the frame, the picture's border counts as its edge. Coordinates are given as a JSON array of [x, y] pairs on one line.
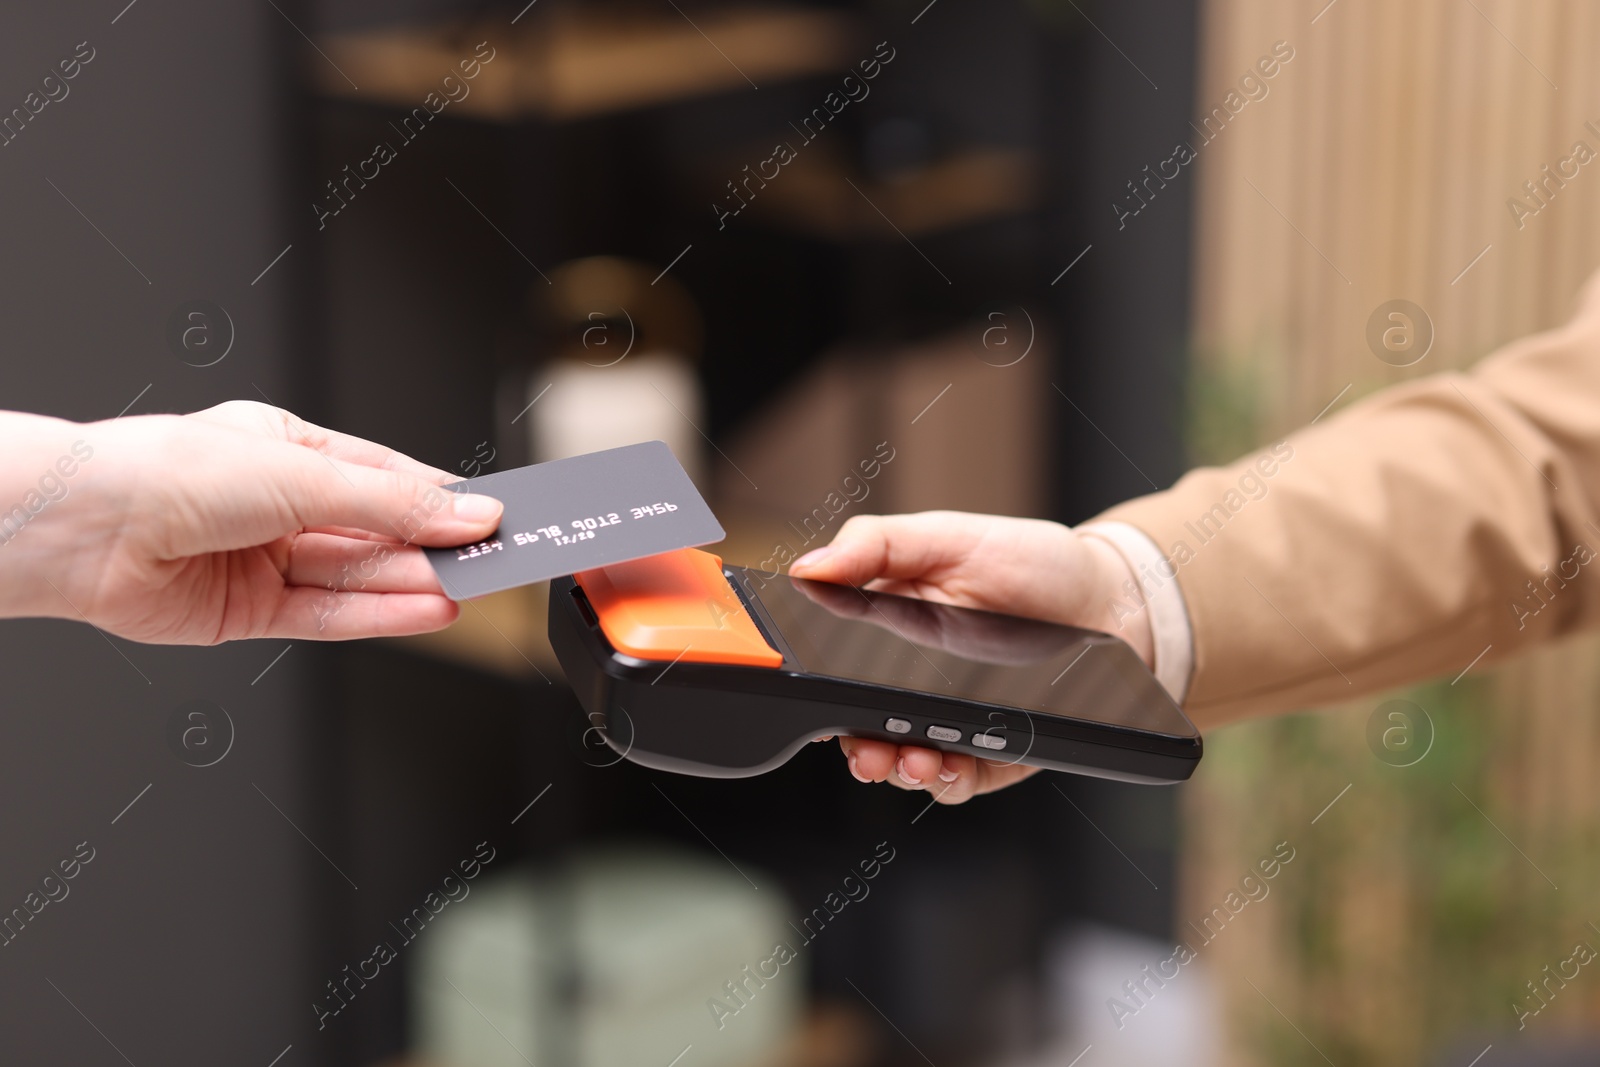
[[574, 514]]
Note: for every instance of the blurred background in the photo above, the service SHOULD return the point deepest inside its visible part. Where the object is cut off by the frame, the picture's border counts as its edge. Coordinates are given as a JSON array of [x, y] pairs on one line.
[[956, 240]]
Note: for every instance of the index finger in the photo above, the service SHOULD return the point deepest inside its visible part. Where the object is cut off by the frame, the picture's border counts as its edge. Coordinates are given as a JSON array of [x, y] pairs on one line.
[[287, 426], [905, 547]]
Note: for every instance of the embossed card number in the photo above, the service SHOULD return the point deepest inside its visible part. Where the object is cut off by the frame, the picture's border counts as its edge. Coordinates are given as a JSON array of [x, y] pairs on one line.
[[536, 541]]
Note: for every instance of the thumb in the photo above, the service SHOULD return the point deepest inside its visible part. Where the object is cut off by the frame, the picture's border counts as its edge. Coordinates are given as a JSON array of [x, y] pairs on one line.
[[893, 547], [335, 492]]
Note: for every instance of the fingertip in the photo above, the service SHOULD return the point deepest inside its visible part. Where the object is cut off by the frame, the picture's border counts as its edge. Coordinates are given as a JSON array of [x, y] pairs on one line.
[[957, 792], [475, 509], [458, 519], [870, 761], [316, 614], [904, 775], [409, 614], [812, 559], [920, 766], [856, 556], [839, 557], [955, 766]]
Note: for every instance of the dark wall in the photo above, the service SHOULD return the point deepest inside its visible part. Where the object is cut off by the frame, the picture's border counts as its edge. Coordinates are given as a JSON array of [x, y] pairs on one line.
[[185, 939], [1121, 97]]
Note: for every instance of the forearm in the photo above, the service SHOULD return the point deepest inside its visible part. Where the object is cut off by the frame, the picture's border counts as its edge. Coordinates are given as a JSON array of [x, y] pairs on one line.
[[1396, 541]]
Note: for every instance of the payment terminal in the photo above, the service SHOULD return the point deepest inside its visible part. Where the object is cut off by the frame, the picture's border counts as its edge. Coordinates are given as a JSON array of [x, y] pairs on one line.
[[686, 665]]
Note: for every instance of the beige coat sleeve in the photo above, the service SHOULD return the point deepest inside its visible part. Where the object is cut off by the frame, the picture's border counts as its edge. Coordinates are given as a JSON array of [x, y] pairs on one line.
[[1399, 539]]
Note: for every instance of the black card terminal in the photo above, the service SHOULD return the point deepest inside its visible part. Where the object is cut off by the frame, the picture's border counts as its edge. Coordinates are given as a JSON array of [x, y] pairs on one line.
[[686, 665]]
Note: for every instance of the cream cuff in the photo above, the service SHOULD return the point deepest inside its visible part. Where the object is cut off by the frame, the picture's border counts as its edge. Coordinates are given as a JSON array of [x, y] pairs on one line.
[[1170, 630]]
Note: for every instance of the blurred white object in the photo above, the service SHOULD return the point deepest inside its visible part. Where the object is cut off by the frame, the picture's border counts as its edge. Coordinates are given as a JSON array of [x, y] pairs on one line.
[[610, 962], [1171, 1021], [588, 407]]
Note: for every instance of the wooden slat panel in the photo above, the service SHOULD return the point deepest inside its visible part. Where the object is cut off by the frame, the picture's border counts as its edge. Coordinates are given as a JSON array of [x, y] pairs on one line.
[[1392, 143]]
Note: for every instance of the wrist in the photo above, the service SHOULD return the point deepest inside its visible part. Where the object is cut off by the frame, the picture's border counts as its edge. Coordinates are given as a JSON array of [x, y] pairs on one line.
[[1120, 602], [41, 476]]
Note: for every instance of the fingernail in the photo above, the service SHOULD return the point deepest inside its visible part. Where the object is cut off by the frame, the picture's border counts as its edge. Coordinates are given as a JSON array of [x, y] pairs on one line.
[[855, 773], [815, 556], [470, 507], [948, 776], [900, 769]]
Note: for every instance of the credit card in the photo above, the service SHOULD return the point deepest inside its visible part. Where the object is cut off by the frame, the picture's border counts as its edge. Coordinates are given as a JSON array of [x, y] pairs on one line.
[[571, 515]]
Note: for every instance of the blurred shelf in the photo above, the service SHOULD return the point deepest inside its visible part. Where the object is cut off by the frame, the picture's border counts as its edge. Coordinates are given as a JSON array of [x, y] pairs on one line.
[[572, 63], [813, 195], [833, 1035]]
